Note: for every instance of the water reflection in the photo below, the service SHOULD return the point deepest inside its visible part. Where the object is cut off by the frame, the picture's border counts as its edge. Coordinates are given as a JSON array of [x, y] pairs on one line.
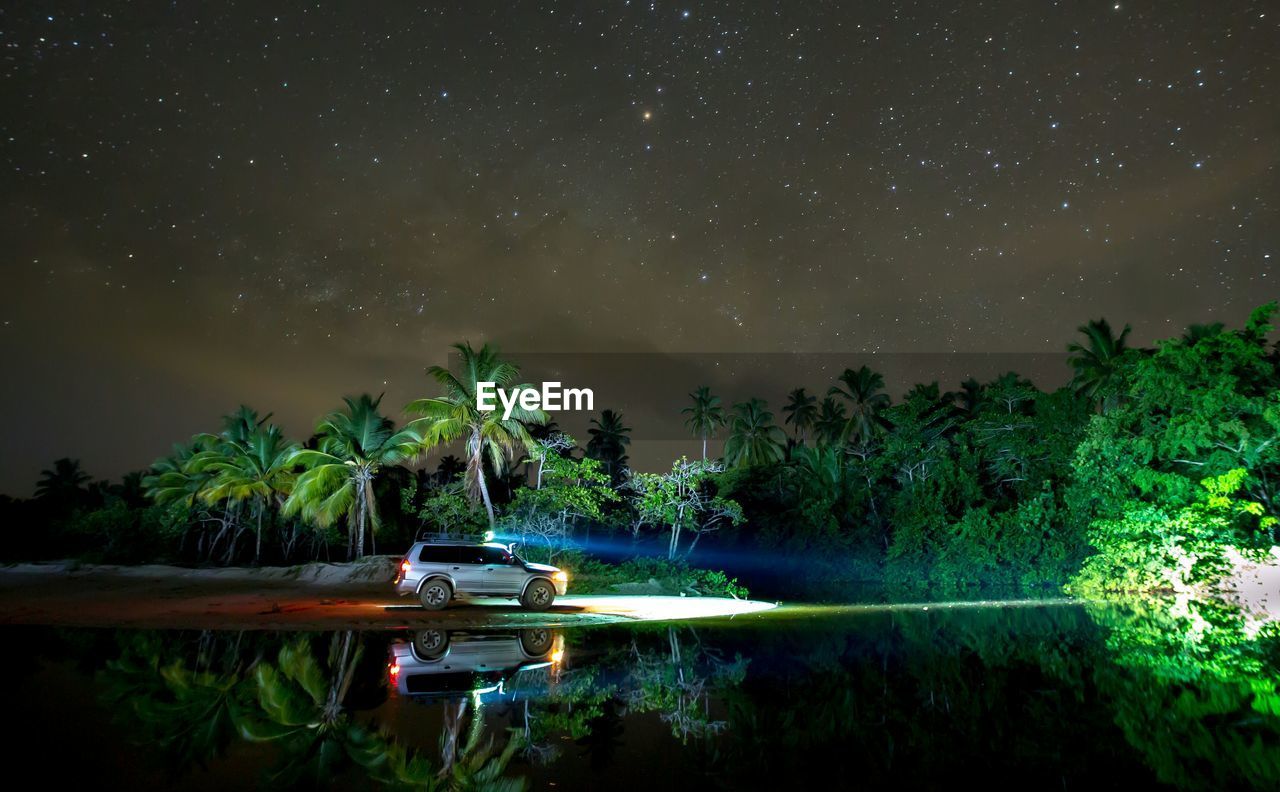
[[1181, 693]]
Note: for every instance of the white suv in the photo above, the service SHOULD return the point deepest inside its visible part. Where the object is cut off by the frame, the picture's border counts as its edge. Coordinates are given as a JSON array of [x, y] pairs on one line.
[[438, 571]]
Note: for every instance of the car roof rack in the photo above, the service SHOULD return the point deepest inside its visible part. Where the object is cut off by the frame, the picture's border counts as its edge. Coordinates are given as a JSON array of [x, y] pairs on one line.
[[449, 536]]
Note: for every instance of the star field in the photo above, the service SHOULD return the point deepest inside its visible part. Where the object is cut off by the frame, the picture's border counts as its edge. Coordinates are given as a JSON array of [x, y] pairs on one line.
[[279, 204]]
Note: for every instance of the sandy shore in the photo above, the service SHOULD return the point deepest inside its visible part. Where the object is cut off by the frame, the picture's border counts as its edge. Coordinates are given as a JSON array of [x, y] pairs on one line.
[[310, 597]]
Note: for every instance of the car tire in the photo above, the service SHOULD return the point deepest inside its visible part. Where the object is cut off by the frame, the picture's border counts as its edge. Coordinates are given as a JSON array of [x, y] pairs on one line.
[[537, 642], [431, 644], [538, 595], [435, 595]]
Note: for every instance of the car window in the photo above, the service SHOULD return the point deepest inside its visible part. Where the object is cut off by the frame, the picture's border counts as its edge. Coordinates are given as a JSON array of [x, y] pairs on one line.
[[471, 555], [439, 554], [496, 555]]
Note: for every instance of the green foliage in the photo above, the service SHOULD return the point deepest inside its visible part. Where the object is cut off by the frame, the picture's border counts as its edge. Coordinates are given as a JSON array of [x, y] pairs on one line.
[[454, 415], [449, 510], [1184, 465], [653, 575], [1150, 548]]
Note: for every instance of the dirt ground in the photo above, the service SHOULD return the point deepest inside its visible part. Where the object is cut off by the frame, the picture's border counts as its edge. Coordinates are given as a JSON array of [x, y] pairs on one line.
[[311, 597]]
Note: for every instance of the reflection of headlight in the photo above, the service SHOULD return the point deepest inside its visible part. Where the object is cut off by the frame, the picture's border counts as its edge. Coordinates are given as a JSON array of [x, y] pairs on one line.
[[561, 576]]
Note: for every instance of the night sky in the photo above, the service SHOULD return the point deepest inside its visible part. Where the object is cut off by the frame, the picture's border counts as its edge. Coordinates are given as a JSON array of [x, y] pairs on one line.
[[209, 204]]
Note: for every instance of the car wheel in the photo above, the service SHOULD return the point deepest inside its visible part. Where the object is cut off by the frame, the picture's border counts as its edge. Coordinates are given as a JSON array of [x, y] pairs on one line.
[[435, 595], [431, 644], [536, 642], [538, 596]]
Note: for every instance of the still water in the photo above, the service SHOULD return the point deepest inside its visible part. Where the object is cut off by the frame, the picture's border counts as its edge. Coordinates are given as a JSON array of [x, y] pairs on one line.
[[1066, 696]]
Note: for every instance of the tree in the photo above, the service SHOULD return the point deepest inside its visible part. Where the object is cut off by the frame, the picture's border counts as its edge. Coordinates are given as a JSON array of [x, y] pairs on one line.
[[755, 440], [801, 411], [337, 478], [575, 490], [63, 483], [1194, 425], [257, 468], [455, 414], [1096, 363], [830, 423], [683, 501], [862, 392], [705, 415], [608, 443]]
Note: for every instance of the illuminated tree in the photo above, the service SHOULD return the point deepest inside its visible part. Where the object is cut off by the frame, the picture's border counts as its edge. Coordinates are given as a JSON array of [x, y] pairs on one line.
[[337, 479], [455, 415]]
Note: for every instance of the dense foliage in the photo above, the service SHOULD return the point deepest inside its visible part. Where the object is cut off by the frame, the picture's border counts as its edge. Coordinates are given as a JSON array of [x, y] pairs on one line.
[[1145, 473]]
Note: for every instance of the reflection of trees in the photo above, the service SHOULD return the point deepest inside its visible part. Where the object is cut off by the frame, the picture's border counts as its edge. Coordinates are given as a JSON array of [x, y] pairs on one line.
[[192, 699], [301, 707], [1196, 688], [187, 710], [678, 684], [913, 699]]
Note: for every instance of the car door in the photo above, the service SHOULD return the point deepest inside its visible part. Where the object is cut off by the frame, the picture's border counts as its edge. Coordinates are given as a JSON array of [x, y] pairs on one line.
[[468, 571], [502, 573]]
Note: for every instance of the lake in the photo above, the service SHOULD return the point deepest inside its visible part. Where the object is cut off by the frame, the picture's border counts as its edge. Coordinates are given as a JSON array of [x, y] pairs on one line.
[[1051, 694]]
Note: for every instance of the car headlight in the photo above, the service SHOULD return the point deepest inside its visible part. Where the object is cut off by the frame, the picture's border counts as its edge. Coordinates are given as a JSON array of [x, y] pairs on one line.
[[561, 576]]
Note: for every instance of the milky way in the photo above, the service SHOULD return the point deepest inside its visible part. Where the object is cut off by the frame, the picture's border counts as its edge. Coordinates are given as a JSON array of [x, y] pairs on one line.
[[208, 204]]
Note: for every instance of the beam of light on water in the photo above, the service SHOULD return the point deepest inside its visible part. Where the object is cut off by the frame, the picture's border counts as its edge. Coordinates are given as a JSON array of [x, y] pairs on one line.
[[803, 609]]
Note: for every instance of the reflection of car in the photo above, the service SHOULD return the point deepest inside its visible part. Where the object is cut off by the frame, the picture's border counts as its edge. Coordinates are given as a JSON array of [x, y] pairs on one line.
[[437, 571], [438, 662]]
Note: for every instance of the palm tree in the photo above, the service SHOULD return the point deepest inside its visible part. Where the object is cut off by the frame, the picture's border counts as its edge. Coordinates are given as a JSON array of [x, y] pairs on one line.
[[802, 411], [829, 425], [337, 480], [455, 414], [754, 439], [256, 467], [64, 482], [448, 469], [705, 415], [173, 479], [1198, 332], [862, 391], [970, 396], [608, 443], [1096, 363]]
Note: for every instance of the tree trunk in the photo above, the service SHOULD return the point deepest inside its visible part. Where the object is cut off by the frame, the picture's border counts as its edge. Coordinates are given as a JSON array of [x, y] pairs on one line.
[[360, 519], [257, 548], [478, 461], [704, 446]]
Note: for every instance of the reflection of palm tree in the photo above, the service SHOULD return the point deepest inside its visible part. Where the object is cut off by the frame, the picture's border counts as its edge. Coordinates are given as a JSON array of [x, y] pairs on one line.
[[472, 765], [705, 415], [189, 714], [301, 708], [1096, 363], [455, 414], [604, 734], [354, 445]]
